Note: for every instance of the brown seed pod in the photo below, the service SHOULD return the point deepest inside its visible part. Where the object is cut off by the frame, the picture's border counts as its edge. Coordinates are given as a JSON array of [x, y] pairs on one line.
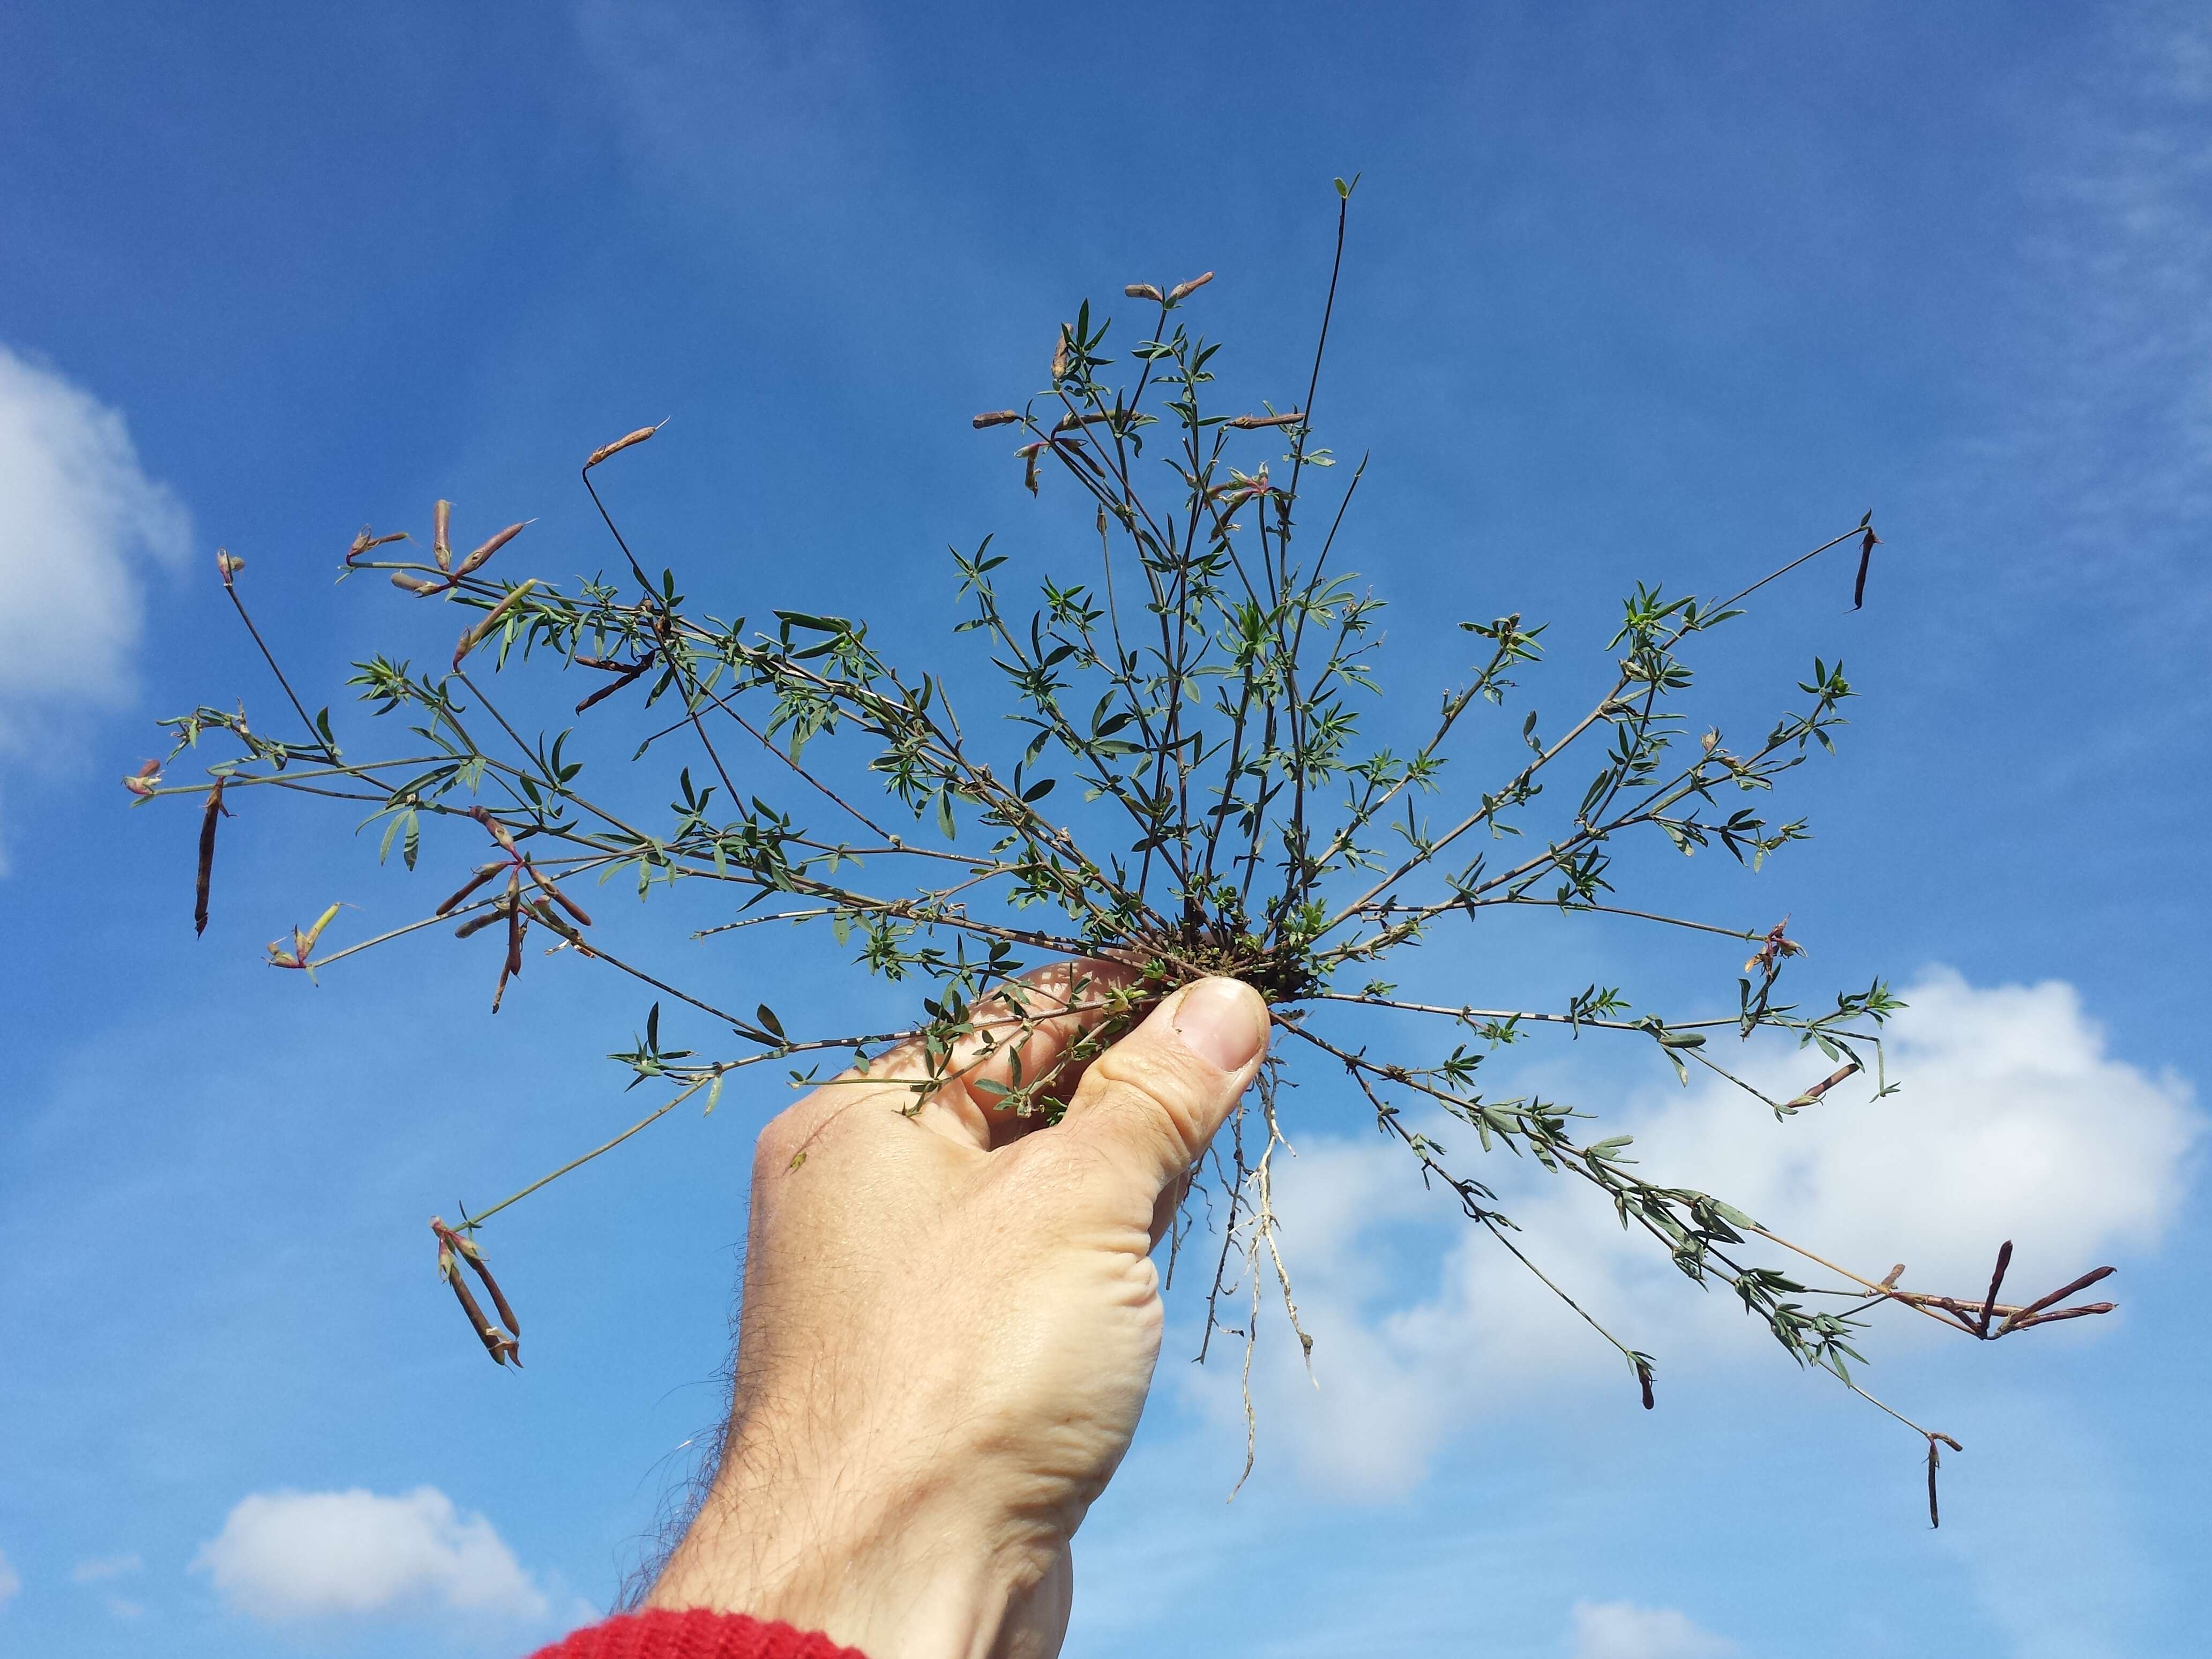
[[441, 517], [1143, 291], [417, 586], [621, 443], [1183, 290], [216, 810], [996, 417], [475, 561]]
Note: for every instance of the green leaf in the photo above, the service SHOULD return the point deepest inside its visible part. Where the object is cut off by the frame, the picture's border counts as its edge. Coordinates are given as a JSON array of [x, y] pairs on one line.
[[768, 1019]]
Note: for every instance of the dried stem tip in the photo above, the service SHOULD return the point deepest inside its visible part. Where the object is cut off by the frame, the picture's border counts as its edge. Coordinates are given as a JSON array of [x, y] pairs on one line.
[[621, 443]]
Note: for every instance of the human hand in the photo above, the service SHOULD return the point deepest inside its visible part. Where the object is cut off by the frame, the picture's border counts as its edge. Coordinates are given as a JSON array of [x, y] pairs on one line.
[[949, 1325]]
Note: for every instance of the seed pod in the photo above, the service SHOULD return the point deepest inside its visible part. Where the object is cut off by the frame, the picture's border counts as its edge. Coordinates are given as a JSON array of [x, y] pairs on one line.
[[441, 516], [1823, 1085], [1183, 290], [476, 560], [216, 809], [368, 539], [996, 417], [1996, 1282], [1059, 355], [303, 944], [498, 830], [417, 586], [483, 875], [483, 919], [477, 635], [1250, 422], [621, 443], [2026, 1315], [1142, 291], [1868, 543], [562, 899]]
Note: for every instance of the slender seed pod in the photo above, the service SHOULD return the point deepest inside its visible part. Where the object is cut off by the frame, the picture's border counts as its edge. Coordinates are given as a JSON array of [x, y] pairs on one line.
[[484, 874], [441, 517], [996, 417], [216, 810], [477, 635], [1144, 291], [621, 443], [483, 919], [477, 559], [1184, 290], [2026, 1315], [561, 898]]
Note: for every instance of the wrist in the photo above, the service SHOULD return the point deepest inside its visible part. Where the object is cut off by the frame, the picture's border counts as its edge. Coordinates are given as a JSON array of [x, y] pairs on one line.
[[902, 1576]]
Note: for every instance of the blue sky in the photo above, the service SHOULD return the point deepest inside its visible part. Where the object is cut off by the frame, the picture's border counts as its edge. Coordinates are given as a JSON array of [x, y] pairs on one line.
[[1633, 292]]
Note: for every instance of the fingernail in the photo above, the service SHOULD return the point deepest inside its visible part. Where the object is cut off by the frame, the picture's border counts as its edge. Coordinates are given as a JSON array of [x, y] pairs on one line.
[[1222, 1022]]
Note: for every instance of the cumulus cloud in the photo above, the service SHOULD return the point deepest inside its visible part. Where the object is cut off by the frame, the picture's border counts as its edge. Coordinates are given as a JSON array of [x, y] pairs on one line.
[[2012, 1120], [287, 1556], [1621, 1629], [9, 1582], [78, 516]]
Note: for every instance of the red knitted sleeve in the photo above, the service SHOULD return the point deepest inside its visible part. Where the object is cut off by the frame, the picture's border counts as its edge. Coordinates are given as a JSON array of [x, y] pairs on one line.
[[694, 1634]]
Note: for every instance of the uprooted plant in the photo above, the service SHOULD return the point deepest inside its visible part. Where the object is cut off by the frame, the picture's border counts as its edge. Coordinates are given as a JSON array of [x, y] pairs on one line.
[[1199, 689]]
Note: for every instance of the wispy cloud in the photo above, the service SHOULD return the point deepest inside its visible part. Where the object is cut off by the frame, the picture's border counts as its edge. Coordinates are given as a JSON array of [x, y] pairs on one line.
[[103, 1568], [2106, 388], [77, 516], [2012, 1121], [79, 520], [289, 1556], [11, 1583], [1621, 1629]]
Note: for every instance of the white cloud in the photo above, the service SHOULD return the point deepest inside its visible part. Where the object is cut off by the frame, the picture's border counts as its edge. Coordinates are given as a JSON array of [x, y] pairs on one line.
[[2012, 1121], [77, 515], [1621, 1629], [103, 1568], [297, 1555], [9, 1582]]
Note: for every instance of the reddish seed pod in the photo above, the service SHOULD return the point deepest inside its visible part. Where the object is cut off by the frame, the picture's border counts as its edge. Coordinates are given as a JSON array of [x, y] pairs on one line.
[[483, 919], [1183, 290], [467, 888], [417, 586]]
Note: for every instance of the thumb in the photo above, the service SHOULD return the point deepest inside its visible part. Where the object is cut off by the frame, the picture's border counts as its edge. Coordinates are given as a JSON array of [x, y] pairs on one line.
[[1153, 1100]]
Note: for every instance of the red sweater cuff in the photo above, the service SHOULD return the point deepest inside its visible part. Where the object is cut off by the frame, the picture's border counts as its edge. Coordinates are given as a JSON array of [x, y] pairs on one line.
[[694, 1634]]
